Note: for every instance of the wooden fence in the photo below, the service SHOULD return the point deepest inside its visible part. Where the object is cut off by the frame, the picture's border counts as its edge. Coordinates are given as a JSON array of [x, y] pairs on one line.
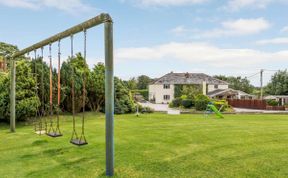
[[253, 104]]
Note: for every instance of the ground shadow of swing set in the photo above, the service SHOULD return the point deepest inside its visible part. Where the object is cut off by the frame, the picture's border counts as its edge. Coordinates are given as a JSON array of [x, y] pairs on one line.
[[52, 128]]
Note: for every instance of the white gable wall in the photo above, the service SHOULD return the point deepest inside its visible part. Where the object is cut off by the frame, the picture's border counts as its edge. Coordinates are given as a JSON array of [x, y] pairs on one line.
[[212, 87], [157, 92]]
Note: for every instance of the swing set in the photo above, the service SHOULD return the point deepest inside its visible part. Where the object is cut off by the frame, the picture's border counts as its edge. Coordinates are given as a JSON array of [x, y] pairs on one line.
[[52, 127]]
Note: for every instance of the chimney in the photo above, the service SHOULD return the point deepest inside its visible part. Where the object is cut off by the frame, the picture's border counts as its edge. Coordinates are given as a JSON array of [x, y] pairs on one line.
[[204, 87], [187, 75]]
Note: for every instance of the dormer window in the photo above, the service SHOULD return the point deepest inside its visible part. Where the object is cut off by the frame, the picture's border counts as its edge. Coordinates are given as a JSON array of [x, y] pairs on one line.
[[166, 86]]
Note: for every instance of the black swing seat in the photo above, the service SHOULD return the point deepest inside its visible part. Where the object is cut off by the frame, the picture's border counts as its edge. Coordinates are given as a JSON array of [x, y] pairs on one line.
[[78, 142], [54, 134]]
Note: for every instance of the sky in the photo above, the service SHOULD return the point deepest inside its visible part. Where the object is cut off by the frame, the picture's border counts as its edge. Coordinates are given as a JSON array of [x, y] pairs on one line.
[[155, 37]]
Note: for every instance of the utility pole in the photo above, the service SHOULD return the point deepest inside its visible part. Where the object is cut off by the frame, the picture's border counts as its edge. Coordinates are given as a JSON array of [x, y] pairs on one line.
[[261, 84]]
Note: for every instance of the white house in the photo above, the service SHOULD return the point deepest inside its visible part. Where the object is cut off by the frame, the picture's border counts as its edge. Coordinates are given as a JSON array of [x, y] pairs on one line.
[[162, 90], [282, 99], [230, 94]]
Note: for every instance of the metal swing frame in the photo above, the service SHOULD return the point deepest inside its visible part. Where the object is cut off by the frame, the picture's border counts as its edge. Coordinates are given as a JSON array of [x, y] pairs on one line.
[[109, 78]]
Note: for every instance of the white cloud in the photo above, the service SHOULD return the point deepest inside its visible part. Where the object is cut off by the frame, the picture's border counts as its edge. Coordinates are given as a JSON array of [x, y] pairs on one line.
[[64, 5], [235, 5], [273, 41], [19, 3], [284, 29], [237, 27], [179, 30], [202, 53], [165, 2]]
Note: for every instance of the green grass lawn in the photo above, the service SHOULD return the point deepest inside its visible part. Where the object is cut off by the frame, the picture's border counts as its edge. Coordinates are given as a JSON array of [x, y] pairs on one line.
[[154, 145]]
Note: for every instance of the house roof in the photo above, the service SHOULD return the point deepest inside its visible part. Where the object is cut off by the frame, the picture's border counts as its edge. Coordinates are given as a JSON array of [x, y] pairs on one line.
[[275, 97], [188, 78], [232, 91], [221, 91]]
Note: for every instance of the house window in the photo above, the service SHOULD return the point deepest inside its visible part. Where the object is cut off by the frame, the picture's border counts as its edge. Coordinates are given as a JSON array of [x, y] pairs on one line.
[[216, 86], [166, 86], [166, 97]]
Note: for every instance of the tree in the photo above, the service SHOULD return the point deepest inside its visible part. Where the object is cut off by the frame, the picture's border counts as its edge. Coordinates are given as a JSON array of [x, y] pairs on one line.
[[131, 84], [27, 101], [6, 50], [237, 83], [143, 82], [74, 69], [43, 68], [278, 84], [4, 96], [96, 92], [96, 88], [188, 90], [123, 98]]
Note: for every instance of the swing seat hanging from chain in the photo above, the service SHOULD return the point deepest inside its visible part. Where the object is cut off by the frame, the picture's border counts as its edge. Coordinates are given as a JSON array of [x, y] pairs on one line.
[[54, 132], [38, 123], [75, 139]]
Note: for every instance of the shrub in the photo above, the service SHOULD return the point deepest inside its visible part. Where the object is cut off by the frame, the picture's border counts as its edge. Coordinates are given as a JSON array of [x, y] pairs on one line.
[[221, 103], [201, 102], [184, 97], [272, 102], [144, 109], [176, 102], [187, 103], [147, 110]]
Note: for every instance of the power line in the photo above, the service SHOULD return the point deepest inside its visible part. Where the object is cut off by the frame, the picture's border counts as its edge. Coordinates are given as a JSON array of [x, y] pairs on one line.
[[252, 75]]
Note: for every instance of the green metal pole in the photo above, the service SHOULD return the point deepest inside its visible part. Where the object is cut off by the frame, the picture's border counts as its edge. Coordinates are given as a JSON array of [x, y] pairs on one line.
[[12, 94], [109, 98]]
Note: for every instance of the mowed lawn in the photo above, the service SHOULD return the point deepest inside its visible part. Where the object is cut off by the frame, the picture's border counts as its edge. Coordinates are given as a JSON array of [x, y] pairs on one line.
[[154, 145]]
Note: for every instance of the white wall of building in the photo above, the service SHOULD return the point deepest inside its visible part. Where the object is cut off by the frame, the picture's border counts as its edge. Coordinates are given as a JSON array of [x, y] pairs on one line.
[[158, 92], [214, 87]]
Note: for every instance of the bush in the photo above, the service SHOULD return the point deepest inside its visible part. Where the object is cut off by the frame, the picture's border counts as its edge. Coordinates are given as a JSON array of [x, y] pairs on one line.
[[201, 102], [184, 97], [176, 102], [147, 110], [272, 102], [187, 103], [221, 103], [144, 109]]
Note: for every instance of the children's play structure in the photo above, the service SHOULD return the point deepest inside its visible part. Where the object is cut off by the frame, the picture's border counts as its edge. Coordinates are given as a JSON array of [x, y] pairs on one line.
[[52, 126], [211, 108]]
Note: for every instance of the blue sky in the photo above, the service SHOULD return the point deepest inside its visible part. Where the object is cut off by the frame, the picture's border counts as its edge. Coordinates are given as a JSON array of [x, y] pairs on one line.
[[154, 37]]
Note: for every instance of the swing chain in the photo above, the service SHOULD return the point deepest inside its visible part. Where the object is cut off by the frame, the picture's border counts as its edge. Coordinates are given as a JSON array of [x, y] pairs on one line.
[[72, 46]]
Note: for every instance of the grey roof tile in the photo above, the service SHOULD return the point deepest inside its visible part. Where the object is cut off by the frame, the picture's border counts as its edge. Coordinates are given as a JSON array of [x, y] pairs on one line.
[[188, 78]]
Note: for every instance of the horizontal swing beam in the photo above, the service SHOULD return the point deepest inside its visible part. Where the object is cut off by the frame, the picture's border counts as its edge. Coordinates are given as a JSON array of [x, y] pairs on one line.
[[102, 18]]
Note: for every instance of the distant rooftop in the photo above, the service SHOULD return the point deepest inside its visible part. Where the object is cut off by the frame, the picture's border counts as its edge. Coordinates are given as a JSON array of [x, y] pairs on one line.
[[188, 78]]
